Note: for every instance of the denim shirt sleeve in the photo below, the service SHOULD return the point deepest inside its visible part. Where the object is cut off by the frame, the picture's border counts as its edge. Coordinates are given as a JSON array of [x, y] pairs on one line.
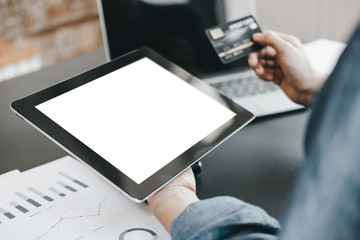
[[224, 218], [326, 203]]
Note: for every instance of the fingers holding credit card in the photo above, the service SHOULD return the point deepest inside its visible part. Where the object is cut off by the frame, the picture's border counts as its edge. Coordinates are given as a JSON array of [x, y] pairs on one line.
[[233, 40]]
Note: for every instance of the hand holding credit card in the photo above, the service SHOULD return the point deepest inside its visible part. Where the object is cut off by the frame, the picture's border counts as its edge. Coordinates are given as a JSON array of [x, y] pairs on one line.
[[233, 40]]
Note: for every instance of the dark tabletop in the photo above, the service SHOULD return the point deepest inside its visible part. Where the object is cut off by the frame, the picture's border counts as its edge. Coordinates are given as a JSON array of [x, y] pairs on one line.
[[259, 164]]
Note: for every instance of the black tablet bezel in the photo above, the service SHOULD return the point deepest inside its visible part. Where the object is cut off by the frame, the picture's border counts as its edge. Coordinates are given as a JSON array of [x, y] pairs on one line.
[[26, 107]]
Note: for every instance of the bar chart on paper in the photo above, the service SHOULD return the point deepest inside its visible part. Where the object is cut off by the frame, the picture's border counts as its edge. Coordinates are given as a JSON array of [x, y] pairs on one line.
[[65, 200]]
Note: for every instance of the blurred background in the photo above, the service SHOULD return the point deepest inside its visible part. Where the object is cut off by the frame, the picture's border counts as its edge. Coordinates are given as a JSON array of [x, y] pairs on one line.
[[37, 33]]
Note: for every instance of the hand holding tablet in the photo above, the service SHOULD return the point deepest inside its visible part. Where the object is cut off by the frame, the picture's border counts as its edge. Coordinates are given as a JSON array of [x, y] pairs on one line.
[[138, 120]]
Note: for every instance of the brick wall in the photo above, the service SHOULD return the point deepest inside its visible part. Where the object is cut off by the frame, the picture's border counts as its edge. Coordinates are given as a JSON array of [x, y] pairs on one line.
[[57, 29]]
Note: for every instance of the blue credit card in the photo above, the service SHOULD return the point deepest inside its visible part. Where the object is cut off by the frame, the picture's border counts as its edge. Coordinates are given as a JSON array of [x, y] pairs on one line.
[[233, 40]]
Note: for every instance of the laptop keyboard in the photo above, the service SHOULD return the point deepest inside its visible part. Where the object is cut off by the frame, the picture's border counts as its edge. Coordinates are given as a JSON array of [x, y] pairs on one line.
[[244, 87]]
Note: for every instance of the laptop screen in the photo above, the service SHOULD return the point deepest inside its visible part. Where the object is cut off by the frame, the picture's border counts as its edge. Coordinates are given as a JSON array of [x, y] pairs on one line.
[[175, 29]]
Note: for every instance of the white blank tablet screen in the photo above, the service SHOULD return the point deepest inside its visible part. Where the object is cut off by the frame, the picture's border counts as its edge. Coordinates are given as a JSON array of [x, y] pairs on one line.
[[138, 118]]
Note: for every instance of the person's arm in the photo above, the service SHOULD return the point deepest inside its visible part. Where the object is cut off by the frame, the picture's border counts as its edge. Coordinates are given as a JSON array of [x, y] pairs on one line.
[[224, 218], [284, 62], [326, 200], [186, 217], [171, 200]]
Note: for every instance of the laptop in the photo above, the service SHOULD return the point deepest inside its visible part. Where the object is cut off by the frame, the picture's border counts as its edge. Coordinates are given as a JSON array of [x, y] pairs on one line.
[[176, 30]]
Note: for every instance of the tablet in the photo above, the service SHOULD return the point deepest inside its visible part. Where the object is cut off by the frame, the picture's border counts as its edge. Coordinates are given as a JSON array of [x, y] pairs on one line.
[[138, 120]]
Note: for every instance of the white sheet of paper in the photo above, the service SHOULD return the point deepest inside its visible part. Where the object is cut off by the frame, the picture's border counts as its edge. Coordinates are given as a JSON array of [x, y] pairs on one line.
[[324, 54], [9, 175], [94, 211]]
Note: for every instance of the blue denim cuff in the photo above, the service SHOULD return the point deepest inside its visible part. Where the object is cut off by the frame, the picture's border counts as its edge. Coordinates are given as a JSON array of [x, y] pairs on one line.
[[223, 217]]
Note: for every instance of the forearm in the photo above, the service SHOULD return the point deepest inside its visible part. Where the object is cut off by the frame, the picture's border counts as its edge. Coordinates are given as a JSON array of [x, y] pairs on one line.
[[307, 94], [185, 217], [169, 205]]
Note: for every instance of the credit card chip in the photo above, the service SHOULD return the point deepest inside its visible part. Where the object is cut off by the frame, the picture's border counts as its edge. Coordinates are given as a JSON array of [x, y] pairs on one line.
[[216, 33]]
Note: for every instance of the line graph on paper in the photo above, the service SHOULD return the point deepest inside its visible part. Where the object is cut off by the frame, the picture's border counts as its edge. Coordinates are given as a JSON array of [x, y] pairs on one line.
[[79, 213]]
